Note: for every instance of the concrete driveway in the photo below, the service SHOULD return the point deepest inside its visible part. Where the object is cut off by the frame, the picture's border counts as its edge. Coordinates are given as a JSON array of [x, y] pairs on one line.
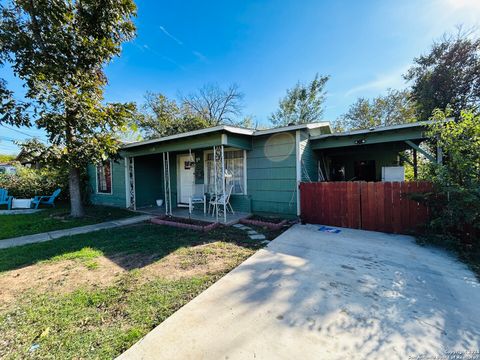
[[317, 295]]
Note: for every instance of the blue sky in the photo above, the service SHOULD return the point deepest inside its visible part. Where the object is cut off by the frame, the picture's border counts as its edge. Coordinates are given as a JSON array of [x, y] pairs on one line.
[[267, 46]]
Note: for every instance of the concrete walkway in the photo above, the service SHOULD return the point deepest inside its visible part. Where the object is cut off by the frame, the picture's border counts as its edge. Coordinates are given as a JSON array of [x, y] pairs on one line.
[[51, 235], [317, 295]]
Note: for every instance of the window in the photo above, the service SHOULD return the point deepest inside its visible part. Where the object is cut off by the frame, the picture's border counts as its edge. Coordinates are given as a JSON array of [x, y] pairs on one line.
[[104, 178], [234, 171]]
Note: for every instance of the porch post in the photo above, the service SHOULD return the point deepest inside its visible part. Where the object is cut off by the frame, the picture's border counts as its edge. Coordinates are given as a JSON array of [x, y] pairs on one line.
[[219, 172], [415, 164], [130, 182], [215, 181], [223, 187], [166, 183]]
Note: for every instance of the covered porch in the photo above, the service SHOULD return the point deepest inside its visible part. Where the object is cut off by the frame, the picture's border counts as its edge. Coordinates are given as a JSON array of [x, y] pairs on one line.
[[377, 154], [188, 178]]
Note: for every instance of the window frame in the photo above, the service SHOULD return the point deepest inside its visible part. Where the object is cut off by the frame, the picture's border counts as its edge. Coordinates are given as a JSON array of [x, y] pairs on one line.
[[244, 160], [111, 179]]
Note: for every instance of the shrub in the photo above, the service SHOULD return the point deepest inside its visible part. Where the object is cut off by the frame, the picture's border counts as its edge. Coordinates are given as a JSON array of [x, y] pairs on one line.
[[455, 205], [27, 182]]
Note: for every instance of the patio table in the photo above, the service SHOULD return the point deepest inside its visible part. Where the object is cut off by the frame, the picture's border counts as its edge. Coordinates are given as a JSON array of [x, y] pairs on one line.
[[21, 203]]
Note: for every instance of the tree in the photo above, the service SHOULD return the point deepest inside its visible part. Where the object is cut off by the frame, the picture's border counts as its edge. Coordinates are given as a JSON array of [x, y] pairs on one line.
[[302, 104], [161, 116], [214, 104], [396, 107], [449, 75], [455, 205], [4, 158], [59, 50]]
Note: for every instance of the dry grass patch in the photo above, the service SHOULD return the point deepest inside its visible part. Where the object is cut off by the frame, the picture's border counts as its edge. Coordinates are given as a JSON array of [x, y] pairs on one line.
[[94, 295]]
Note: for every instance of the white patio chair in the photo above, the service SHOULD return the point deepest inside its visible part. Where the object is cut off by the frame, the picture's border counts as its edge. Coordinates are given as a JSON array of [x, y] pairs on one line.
[[198, 197], [223, 201]]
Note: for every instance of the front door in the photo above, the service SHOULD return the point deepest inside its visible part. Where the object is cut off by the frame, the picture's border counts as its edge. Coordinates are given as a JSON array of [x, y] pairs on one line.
[[186, 177]]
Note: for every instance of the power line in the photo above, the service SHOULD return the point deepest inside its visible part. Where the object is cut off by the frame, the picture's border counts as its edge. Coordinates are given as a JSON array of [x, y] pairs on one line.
[[24, 133]]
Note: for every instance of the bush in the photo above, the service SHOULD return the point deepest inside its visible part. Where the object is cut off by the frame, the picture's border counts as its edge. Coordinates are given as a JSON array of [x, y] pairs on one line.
[[455, 205], [27, 183]]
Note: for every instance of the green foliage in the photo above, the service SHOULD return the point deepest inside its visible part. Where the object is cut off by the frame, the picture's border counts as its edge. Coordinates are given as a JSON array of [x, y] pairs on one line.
[[447, 75], [5, 158], [456, 202], [163, 117], [394, 108], [302, 104], [27, 182], [58, 49]]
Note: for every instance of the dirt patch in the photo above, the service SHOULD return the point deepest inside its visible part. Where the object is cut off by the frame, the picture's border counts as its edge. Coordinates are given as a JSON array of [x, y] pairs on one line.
[[68, 275]]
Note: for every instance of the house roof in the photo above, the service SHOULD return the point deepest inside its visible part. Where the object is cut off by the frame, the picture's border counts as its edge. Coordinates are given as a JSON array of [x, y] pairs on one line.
[[377, 129], [229, 129], [399, 134]]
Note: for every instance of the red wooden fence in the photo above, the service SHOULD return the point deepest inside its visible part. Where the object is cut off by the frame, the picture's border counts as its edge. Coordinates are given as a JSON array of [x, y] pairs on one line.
[[378, 206]]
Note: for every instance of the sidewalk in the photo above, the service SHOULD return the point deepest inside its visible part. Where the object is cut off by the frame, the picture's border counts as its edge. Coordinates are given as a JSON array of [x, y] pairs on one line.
[[52, 235]]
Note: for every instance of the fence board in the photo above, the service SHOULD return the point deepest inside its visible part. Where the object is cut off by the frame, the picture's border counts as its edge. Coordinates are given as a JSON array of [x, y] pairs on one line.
[[381, 206], [387, 207]]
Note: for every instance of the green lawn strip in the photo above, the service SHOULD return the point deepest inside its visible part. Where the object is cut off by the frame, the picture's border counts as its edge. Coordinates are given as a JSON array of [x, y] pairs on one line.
[[56, 219], [143, 238], [93, 324]]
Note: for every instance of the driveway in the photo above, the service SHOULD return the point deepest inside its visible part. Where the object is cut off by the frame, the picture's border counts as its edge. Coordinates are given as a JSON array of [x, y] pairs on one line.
[[317, 295]]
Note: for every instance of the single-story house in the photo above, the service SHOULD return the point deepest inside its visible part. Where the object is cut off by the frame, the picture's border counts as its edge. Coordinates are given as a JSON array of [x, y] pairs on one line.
[[261, 168]]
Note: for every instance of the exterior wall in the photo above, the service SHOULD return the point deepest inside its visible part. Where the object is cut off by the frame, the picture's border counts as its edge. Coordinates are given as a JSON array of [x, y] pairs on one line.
[[383, 154], [118, 196], [308, 159], [241, 203], [271, 174], [148, 180]]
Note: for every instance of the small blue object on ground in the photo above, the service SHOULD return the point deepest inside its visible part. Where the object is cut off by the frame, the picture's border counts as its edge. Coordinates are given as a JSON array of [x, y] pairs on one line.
[[329, 230]]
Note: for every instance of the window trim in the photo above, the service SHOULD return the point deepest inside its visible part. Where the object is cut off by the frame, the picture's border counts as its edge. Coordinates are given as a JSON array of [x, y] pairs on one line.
[[111, 180], [205, 178]]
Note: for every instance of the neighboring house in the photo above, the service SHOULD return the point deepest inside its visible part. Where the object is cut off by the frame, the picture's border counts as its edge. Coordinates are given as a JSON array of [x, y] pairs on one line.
[[6, 168], [263, 167], [30, 159]]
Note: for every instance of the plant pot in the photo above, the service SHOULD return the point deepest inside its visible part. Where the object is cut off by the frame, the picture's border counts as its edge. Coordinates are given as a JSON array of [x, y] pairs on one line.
[[159, 202]]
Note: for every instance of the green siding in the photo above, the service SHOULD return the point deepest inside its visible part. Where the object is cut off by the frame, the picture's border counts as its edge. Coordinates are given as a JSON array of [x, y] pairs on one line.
[[308, 158], [242, 203], [271, 174], [383, 154], [239, 141], [117, 198], [148, 180]]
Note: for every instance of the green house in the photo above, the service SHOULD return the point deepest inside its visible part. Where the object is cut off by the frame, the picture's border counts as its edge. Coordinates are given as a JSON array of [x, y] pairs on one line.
[[259, 169]]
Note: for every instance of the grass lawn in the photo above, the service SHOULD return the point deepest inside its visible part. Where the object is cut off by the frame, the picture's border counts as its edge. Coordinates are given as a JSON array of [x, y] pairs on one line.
[[94, 295], [55, 219]]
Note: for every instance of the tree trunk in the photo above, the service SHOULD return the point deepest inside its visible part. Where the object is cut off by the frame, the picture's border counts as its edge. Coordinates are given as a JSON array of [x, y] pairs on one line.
[[76, 206]]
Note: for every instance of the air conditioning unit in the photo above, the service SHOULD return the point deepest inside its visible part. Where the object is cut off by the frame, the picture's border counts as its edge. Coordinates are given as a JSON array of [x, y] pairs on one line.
[[393, 173]]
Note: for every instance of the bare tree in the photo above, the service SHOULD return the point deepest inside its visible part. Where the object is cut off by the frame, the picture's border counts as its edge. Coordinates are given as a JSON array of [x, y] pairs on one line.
[[214, 104]]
